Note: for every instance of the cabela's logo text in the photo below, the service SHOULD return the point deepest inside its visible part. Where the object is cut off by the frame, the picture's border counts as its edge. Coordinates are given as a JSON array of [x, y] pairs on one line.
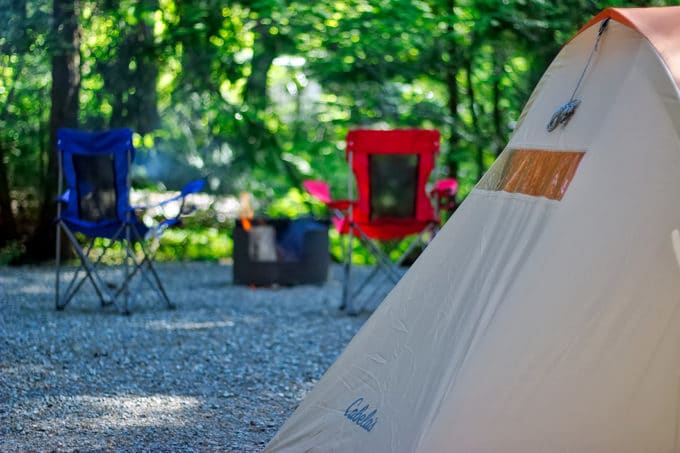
[[358, 413]]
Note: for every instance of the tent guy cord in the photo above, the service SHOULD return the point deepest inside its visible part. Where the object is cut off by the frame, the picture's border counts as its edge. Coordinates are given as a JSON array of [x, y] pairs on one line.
[[566, 110]]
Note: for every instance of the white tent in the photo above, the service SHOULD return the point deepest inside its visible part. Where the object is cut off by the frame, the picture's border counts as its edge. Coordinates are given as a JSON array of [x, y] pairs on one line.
[[545, 316]]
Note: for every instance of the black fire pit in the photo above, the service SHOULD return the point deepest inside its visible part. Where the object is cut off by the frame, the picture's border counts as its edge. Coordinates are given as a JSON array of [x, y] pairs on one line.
[[281, 251]]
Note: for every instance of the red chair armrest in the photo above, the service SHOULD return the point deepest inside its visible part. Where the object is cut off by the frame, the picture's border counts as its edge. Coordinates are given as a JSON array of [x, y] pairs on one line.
[[319, 190], [445, 187], [341, 205]]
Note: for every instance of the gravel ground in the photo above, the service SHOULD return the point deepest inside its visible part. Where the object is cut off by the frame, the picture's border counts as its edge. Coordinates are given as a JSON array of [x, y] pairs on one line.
[[222, 372]]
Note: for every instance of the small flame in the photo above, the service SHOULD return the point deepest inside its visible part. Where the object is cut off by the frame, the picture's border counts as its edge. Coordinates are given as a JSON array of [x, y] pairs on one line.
[[246, 211]]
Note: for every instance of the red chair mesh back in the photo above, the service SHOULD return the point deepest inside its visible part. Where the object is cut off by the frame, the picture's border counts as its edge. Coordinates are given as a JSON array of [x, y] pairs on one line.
[[393, 185]]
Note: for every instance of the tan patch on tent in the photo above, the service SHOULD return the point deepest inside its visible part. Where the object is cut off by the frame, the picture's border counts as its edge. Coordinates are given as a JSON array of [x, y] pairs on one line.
[[534, 172]]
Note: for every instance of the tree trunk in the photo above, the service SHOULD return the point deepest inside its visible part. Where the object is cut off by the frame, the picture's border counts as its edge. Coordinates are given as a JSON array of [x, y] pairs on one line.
[[452, 88], [63, 113], [472, 103], [17, 33], [8, 227], [266, 48], [499, 130], [135, 103], [264, 52]]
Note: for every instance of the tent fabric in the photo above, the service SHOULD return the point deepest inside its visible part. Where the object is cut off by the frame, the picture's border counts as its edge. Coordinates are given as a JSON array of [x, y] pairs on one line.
[[659, 25], [535, 323]]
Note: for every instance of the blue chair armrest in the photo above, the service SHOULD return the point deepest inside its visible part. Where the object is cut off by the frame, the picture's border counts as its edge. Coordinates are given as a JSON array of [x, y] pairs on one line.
[[64, 197], [192, 187]]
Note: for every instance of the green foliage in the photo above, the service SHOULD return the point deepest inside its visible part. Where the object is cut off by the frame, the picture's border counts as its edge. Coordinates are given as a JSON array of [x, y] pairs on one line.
[[292, 204], [185, 244], [258, 95], [210, 244], [10, 252], [24, 90]]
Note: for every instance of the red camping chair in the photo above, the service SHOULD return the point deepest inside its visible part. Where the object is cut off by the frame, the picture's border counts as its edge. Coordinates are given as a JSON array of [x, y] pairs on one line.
[[392, 169]]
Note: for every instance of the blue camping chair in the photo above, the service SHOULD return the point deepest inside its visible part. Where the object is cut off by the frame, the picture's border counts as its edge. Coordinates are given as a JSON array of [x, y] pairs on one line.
[[96, 169]]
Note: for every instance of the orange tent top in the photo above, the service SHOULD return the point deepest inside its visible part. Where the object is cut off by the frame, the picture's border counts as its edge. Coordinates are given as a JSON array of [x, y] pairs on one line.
[[661, 27]]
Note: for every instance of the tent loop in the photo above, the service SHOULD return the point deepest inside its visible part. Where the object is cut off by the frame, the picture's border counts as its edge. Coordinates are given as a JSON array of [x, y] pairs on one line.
[[563, 114], [565, 111]]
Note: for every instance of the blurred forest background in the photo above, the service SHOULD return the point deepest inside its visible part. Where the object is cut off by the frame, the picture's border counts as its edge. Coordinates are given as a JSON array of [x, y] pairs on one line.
[[258, 95]]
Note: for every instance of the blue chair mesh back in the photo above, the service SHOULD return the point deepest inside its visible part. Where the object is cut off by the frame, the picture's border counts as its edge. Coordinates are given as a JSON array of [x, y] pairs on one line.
[[96, 187], [393, 184], [96, 166]]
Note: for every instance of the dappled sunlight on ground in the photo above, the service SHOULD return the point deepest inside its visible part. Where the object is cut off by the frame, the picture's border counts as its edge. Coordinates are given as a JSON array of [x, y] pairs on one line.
[[136, 411], [221, 372], [164, 325]]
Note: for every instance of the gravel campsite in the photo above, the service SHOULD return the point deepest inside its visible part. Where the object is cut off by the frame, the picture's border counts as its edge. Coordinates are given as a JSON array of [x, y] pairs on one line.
[[221, 372]]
